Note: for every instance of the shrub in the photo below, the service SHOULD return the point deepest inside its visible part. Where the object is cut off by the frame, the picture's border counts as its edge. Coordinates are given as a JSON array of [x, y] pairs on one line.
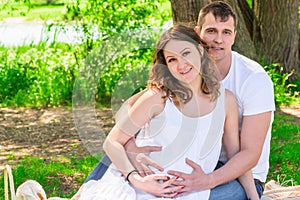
[[282, 89]]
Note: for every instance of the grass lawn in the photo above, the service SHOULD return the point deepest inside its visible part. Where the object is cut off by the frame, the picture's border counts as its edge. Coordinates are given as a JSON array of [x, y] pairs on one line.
[[285, 149], [38, 10]]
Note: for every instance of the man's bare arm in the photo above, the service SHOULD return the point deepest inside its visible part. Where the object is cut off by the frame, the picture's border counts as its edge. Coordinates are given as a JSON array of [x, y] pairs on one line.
[[254, 130], [253, 134]]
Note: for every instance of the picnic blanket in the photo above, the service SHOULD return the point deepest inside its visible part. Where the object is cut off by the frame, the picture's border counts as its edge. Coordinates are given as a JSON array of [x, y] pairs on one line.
[[274, 190]]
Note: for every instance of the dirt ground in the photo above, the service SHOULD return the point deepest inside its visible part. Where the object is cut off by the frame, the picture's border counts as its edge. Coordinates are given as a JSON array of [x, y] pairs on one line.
[[53, 133], [46, 133]]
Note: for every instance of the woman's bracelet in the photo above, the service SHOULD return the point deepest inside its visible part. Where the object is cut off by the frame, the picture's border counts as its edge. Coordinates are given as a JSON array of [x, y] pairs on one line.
[[127, 177]]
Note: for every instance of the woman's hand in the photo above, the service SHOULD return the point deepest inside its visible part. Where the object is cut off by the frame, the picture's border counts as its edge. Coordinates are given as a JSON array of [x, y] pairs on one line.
[[155, 184]]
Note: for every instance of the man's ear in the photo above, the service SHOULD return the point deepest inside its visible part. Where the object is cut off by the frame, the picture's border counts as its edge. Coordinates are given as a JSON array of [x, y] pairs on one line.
[[197, 30], [201, 49], [234, 36]]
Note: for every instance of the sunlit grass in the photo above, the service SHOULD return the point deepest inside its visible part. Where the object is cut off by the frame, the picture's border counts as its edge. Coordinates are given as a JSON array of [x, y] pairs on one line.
[[285, 151], [37, 10], [39, 13], [57, 178]]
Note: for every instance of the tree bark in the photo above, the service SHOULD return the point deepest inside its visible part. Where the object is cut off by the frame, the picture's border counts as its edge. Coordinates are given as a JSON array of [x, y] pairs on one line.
[[243, 42], [186, 11], [248, 15], [276, 33]]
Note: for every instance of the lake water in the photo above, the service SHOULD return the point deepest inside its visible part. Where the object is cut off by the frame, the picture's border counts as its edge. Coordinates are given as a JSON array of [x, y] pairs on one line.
[[20, 32]]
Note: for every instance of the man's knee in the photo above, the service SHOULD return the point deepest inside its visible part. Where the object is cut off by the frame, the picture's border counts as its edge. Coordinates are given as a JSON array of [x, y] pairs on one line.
[[99, 170], [231, 190]]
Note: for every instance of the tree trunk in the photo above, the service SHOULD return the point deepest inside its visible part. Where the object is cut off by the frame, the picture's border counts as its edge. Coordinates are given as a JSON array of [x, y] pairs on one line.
[[187, 11], [276, 34], [248, 15], [243, 42]]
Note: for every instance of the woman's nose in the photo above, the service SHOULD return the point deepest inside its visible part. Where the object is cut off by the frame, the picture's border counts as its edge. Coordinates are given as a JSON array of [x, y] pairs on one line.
[[182, 63]]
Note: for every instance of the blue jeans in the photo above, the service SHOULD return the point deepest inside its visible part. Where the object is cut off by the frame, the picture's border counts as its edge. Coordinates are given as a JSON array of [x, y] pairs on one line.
[[99, 170], [232, 190], [229, 191]]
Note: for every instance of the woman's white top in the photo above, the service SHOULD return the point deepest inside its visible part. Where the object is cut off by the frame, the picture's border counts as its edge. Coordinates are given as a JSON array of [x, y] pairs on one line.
[[181, 137]]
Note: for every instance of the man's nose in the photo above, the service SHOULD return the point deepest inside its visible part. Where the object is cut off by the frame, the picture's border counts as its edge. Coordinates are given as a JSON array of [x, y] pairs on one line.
[[218, 38]]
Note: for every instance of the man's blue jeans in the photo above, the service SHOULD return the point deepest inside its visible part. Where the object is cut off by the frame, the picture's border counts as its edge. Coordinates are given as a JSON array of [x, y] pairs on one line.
[[99, 170], [232, 190], [229, 191]]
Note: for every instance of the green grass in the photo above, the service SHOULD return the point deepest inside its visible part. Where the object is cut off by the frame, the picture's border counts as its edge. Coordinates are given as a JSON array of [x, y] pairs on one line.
[[37, 10], [54, 12], [57, 178], [285, 151]]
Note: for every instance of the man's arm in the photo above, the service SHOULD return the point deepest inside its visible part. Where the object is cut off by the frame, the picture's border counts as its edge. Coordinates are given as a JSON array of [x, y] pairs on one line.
[[139, 157], [253, 133]]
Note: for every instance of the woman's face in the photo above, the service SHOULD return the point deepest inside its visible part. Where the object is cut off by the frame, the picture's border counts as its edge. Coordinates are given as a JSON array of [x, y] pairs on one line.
[[183, 60]]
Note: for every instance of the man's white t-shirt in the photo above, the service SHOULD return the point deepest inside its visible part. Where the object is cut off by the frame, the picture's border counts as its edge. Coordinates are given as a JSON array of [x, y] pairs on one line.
[[254, 92]]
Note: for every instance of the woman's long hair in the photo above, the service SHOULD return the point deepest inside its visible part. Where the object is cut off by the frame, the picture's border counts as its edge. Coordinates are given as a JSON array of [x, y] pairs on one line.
[[160, 77]]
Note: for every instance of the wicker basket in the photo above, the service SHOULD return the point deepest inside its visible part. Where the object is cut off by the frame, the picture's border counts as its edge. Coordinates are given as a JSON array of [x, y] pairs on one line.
[[9, 180]]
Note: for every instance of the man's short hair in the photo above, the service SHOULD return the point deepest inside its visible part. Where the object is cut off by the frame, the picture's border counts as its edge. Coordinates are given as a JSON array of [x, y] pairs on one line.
[[220, 10]]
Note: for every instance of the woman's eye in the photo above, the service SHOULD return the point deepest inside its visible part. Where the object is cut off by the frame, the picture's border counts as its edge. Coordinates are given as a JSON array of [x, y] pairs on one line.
[[171, 60], [186, 53]]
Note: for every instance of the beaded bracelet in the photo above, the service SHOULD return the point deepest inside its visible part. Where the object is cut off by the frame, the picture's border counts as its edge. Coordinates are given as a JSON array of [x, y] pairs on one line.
[[127, 177]]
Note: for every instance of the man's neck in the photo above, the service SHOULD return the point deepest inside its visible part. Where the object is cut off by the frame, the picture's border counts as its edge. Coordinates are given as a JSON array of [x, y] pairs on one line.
[[224, 66]]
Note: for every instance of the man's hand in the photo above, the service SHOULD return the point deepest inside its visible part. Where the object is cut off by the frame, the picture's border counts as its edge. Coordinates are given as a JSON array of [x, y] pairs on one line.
[[138, 156], [196, 181]]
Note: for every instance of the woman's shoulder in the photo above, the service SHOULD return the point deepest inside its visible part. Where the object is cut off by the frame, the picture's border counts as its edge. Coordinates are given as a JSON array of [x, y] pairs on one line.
[[229, 94], [152, 101], [230, 100], [154, 95]]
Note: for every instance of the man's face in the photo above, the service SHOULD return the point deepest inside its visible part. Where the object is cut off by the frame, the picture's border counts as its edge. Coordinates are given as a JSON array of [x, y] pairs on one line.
[[218, 35]]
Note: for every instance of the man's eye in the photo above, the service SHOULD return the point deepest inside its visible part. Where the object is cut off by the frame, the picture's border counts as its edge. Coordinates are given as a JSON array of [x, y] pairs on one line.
[[210, 31], [227, 32]]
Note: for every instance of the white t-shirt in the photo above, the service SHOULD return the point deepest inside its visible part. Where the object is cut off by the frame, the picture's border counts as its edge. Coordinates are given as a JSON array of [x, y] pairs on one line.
[[254, 92]]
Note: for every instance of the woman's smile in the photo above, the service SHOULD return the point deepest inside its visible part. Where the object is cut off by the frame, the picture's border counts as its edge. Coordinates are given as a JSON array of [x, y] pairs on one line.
[[187, 70]]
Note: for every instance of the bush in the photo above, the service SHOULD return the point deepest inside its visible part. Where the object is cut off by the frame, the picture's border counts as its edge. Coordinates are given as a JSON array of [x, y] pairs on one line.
[[282, 89], [37, 75]]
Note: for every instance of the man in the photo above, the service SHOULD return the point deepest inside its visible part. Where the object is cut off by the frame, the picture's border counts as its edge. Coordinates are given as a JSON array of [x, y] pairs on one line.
[[254, 92]]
